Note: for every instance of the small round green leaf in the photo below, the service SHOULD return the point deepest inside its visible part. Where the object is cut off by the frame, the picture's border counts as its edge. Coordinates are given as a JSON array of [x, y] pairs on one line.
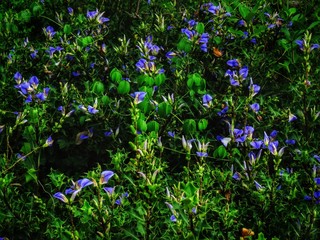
[[105, 100], [142, 125], [67, 29], [153, 126], [200, 28], [160, 79], [124, 87], [189, 126], [202, 124], [164, 109], [116, 75], [98, 87]]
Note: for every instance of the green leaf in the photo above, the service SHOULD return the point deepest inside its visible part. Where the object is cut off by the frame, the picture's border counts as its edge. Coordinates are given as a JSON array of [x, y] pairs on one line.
[[184, 45], [190, 189], [160, 79], [25, 15], [124, 87], [129, 178], [194, 80], [98, 87], [285, 65], [142, 125], [105, 100], [26, 148], [116, 75], [29, 134], [130, 234], [200, 28], [86, 208], [82, 120], [192, 93], [244, 11], [153, 126], [37, 10], [138, 213], [141, 228], [258, 30], [190, 83], [13, 28], [189, 126], [67, 29], [236, 152], [202, 124], [217, 40], [141, 80], [81, 18], [85, 41], [149, 81], [220, 152], [34, 116], [62, 143], [312, 25], [164, 109], [261, 236], [31, 175], [145, 106], [196, 83], [291, 11], [296, 17], [57, 179]]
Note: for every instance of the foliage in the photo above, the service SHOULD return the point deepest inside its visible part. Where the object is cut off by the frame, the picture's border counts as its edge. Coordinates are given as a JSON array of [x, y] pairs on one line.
[[159, 119]]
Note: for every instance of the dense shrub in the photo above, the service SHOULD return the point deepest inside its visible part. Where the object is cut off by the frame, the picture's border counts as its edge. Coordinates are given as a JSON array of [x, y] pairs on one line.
[[159, 119]]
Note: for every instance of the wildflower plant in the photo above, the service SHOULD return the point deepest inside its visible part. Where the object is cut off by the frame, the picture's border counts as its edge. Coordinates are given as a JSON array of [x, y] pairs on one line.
[[165, 119]]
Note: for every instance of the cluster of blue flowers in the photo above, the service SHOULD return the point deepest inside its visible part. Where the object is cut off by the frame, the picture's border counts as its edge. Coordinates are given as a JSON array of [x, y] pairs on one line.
[[316, 193], [148, 52], [192, 35], [95, 15], [77, 186], [215, 10], [90, 109], [49, 32], [274, 20], [238, 73], [29, 89], [305, 46]]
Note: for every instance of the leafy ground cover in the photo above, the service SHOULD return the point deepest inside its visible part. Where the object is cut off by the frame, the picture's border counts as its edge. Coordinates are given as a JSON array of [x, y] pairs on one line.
[[159, 120]]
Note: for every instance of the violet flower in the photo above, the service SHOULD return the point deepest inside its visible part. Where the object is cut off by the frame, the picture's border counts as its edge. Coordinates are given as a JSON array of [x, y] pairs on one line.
[[187, 144], [171, 134], [255, 107], [61, 197], [92, 14], [173, 218], [138, 97], [207, 100], [50, 32], [109, 190], [292, 117], [290, 141], [17, 77], [70, 11], [77, 187], [258, 186], [233, 63], [236, 176], [253, 88], [105, 176], [92, 110]]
